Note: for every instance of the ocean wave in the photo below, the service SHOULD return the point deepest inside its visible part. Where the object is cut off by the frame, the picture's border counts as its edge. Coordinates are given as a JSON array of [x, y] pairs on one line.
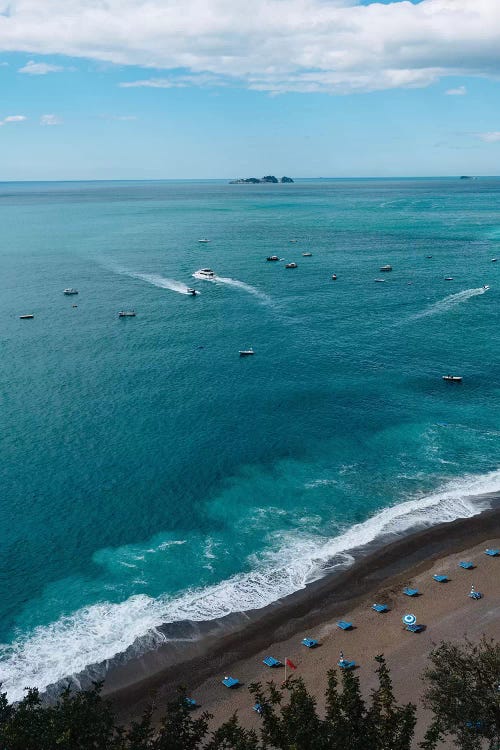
[[443, 305], [86, 640], [159, 281]]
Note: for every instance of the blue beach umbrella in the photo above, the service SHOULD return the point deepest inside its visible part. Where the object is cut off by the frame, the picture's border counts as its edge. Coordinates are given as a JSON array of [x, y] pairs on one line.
[[409, 619]]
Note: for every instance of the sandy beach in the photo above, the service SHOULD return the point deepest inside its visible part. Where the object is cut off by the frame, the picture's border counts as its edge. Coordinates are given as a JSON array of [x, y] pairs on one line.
[[238, 649]]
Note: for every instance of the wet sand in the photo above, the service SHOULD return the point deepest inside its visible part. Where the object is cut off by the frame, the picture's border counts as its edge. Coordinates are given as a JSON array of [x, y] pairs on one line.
[[237, 645]]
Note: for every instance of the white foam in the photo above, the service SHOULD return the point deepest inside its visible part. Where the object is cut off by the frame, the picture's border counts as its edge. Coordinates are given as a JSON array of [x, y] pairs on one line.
[[238, 284], [97, 633], [449, 302], [159, 281]]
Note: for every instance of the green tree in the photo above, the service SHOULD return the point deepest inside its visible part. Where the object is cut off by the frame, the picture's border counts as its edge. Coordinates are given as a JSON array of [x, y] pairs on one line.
[[231, 736], [178, 729], [463, 692], [389, 726]]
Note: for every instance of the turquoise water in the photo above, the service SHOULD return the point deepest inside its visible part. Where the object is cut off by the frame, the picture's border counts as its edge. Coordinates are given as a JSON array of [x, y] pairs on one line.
[[150, 475]]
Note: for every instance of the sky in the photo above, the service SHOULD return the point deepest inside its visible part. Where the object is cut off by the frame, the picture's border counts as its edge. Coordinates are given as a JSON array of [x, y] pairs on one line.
[[170, 89]]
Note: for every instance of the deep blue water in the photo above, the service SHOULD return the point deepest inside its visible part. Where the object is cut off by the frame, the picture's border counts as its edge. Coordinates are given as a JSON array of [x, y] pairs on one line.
[[149, 474]]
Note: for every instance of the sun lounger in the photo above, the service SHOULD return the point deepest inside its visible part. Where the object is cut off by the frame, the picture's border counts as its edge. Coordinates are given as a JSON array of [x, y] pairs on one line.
[[191, 703], [270, 661], [466, 565], [492, 552], [344, 625], [230, 682], [415, 628], [346, 664], [475, 595], [309, 642], [380, 607], [411, 592], [441, 579]]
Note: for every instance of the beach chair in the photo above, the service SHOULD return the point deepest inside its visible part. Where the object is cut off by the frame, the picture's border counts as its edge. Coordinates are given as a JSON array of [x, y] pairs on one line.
[[309, 642], [230, 682], [411, 592], [415, 628], [466, 565], [270, 661], [344, 625], [191, 703], [346, 664], [441, 579], [380, 607], [492, 552]]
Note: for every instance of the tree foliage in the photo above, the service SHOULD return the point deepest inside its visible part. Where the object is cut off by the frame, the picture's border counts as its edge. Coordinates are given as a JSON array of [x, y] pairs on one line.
[[463, 692]]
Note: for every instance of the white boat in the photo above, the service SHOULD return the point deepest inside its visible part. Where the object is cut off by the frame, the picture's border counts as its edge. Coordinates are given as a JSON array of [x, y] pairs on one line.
[[485, 287], [306, 255], [453, 378], [204, 240], [291, 265], [192, 292], [26, 317], [334, 277], [293, 240], [385, 268], [205, 273], [126, 314], [272, 257], [494, 260], [70, 291], [380, 281], [246, 352], [448, 278]]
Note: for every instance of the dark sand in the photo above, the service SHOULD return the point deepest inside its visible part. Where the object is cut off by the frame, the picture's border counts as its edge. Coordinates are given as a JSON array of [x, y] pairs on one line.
[[237, 645]]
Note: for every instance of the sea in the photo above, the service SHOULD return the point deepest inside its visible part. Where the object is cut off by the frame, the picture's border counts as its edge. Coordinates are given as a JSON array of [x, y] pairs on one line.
[[150, 475]]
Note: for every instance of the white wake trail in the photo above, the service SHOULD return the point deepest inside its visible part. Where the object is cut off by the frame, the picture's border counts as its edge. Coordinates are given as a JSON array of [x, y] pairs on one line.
[[239, 285], [159, 281], [443, 305]]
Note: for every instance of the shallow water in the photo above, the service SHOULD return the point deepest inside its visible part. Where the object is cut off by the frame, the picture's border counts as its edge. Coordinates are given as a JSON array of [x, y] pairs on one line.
[[149, 474]]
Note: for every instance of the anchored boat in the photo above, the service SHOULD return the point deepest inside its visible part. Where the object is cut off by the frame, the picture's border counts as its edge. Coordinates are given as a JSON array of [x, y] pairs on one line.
[[452, 378], [126, 314]]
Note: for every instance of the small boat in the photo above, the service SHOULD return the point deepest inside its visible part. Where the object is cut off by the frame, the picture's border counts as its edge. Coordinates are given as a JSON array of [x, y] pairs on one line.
[[385, 268], [379, 281], [293, 240], [334, 277], [26, 317], [192, 292], [74, 305], [291, 265], [307, 255], [204, 240], [485, 287], [246, 352], [452, 378], [205, 273], [126, 314], [494, 260], [272, 257], [428, 256], [70, 291], [448, 278]]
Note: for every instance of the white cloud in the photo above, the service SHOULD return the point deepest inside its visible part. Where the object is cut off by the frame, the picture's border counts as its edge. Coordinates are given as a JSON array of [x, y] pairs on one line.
[[333, 46], [33, 68], [459, 91], [50, 120], [12, 119], [492, 137]]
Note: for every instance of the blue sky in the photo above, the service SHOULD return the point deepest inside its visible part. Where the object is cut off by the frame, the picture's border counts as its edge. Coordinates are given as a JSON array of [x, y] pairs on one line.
[[137, 90]]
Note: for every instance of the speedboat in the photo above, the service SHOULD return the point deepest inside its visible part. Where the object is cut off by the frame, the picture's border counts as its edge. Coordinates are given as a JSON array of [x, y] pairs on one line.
[[385, 268], [272, 257], [126, 314], [453, 378], [204, 240], [380, 281], [205, 273], [334, 277], [70, 291], [428, 256], [190, 291], [485, 287], [448, 278], [291, 265], [293, 240], [494, 260], [26, 317], [306, 255], [246, 352]]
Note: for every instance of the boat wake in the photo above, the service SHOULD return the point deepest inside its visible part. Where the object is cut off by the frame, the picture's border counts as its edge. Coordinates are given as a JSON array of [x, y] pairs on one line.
[[80, 645], [159, 281], [239, 285], [449, 302]]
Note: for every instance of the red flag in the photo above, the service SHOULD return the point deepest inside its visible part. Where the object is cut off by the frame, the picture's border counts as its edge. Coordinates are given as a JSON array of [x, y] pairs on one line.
[[290, 664]]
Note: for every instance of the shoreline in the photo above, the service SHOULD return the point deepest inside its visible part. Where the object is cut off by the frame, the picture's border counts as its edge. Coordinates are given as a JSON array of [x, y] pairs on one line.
[[197, 652]]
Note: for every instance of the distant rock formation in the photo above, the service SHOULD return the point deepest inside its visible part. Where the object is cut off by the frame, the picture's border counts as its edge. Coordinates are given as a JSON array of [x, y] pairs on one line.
[[270, 178]]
